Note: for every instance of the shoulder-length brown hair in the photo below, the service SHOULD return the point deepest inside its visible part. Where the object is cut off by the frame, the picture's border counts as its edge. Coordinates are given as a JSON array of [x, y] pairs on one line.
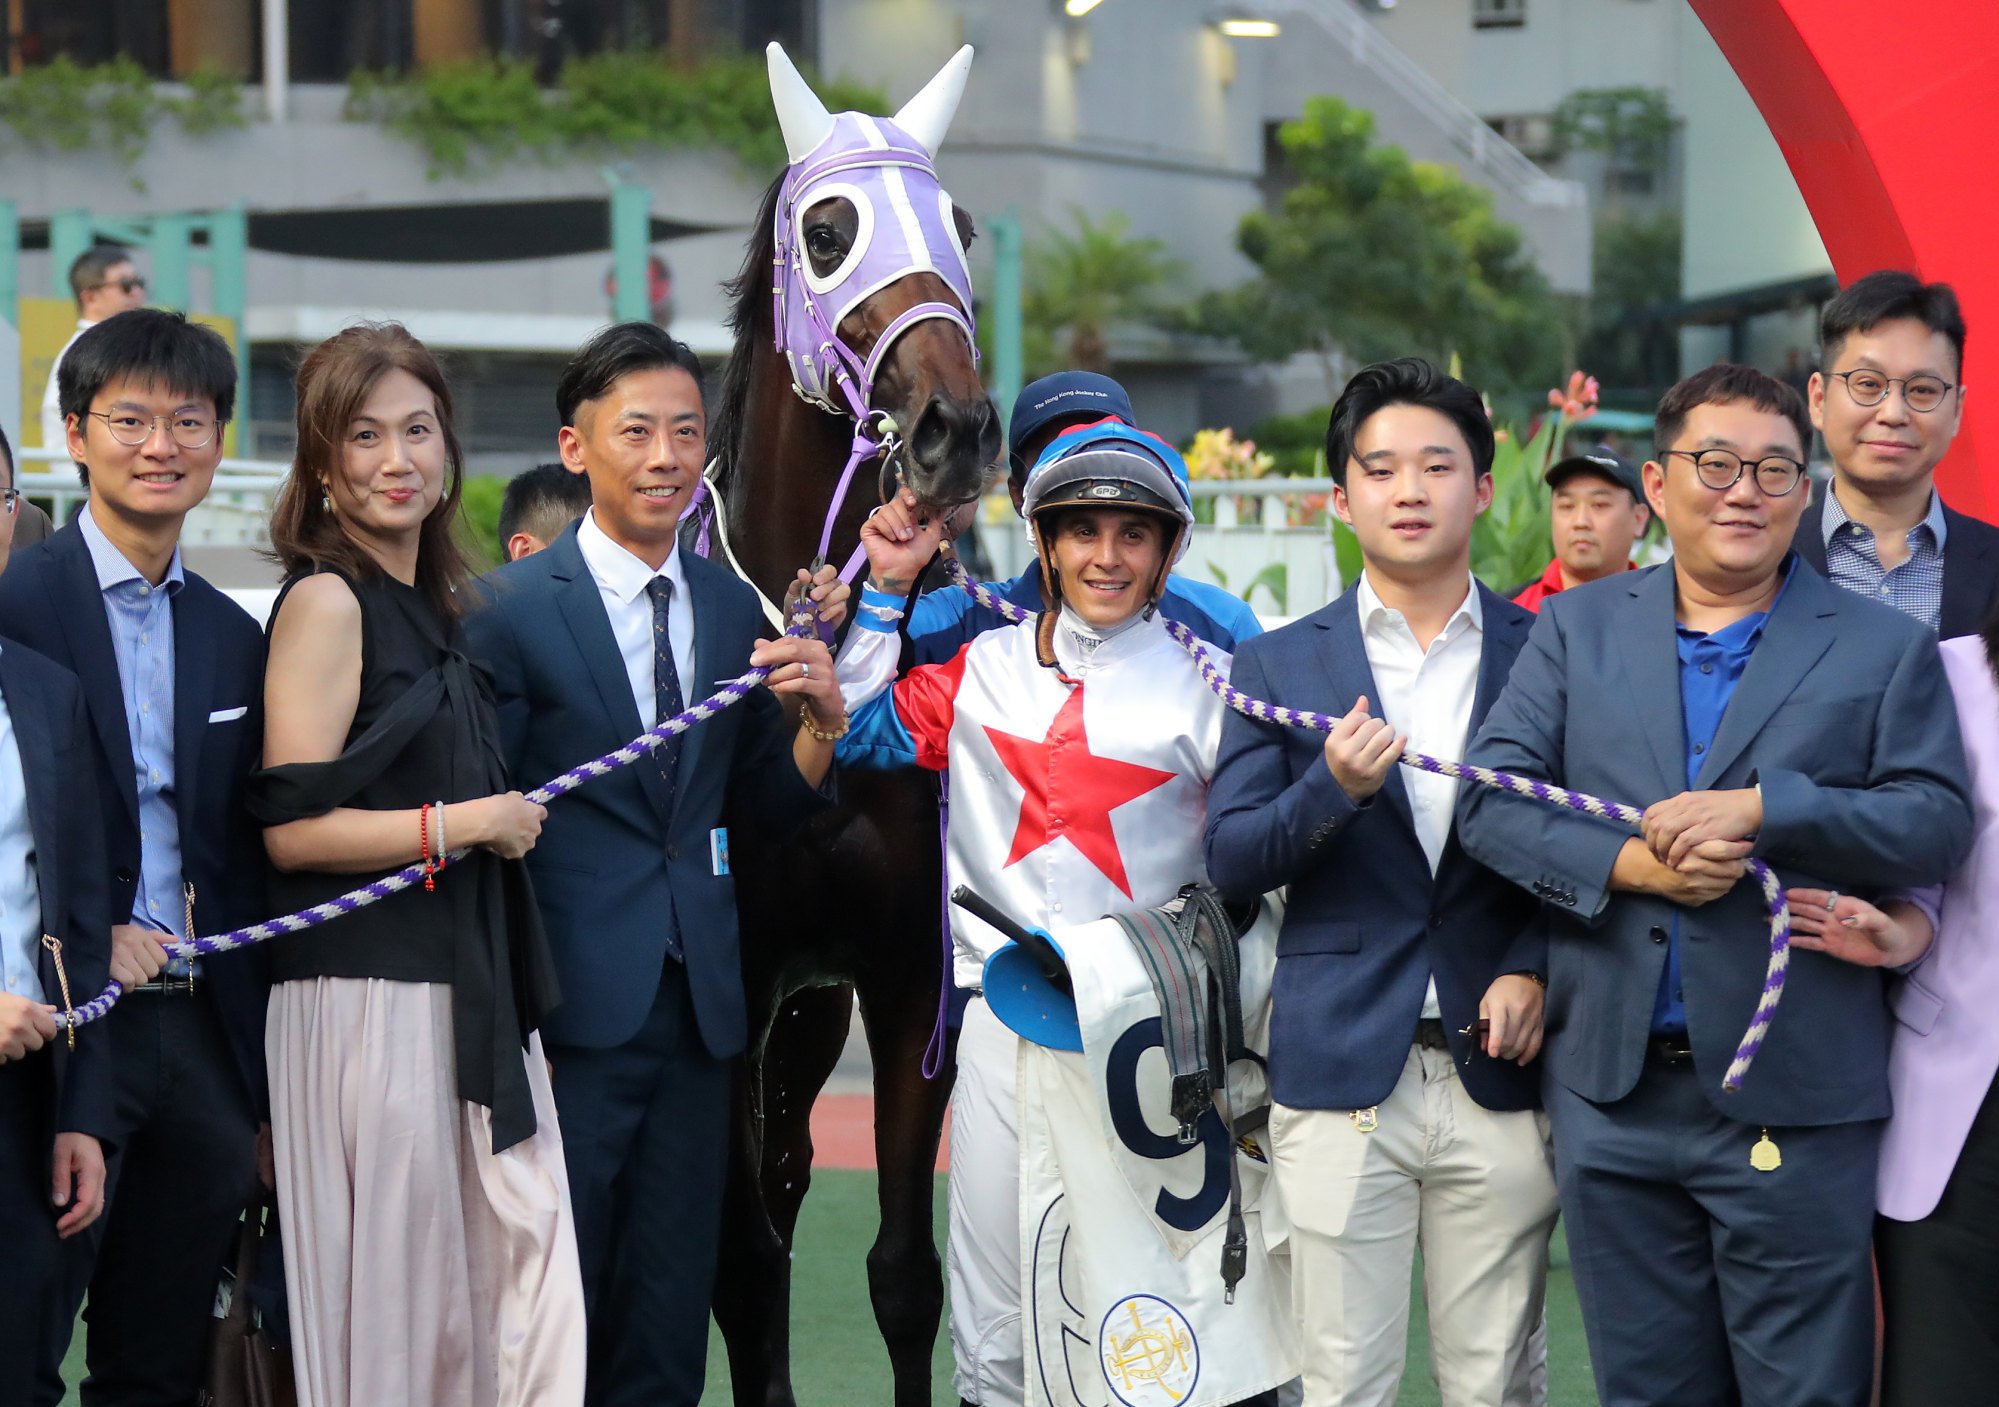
[[334, 382]]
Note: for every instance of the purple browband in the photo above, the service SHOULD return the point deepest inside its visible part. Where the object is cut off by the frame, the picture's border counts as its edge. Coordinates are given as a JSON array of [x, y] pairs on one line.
[[1773, 892]]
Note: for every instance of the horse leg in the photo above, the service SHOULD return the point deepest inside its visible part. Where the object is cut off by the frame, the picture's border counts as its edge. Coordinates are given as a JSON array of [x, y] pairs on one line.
[[770, 1170], [905, 1277]]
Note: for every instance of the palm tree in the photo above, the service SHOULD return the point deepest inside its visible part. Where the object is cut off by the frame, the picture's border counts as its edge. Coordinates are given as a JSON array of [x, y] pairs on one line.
[[1082, 283]]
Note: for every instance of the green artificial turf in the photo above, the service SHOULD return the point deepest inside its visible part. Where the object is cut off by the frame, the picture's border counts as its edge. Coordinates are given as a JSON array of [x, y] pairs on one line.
[[838, 1360]]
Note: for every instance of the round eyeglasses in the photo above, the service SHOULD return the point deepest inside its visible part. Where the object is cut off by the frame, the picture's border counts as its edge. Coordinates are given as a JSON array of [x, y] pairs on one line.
[[1775, 474], [1922, 394], [190, 429]]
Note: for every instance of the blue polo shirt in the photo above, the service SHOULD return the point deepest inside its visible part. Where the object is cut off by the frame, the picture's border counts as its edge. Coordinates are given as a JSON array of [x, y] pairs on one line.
[[1711, 665]]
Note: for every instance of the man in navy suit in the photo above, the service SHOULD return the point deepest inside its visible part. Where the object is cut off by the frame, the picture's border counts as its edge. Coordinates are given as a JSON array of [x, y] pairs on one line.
[[1720, 1241], [1396, 1124], [172, 674], [590, 642], [1888, 400], [55, 1101]]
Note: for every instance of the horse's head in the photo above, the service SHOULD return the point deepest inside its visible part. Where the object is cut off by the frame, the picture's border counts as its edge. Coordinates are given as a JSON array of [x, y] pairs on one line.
[[872, 295]]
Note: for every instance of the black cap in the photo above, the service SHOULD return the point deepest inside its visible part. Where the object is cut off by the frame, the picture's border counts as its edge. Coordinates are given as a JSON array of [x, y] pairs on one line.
[[1602, 463], [1067, 395]]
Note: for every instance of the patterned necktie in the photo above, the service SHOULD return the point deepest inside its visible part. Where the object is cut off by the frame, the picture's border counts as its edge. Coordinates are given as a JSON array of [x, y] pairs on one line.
[[665, 683]]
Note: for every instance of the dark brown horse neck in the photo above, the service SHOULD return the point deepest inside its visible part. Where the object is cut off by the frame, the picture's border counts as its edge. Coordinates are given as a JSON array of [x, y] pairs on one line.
[[787, 463]]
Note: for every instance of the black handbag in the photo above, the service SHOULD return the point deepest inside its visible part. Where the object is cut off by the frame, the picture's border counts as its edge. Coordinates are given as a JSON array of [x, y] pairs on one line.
[[245, 1368]]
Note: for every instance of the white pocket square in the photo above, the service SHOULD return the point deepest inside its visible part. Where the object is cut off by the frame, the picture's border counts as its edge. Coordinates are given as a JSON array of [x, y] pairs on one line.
[[228, 715]]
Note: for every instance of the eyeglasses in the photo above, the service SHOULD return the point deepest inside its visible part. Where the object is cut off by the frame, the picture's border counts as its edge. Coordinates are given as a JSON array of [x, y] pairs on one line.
[[189, 429], [1776, 474], [10, 501], [131, 284], [1922, 394]]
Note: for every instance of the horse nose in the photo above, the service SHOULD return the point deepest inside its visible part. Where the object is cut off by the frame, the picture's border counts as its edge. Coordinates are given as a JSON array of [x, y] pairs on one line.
[[952, 433]]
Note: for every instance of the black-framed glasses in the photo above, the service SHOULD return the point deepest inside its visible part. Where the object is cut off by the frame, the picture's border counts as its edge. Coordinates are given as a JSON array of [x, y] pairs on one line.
[[190, 429], [1922, 394], [132, 283], [1775, 474], [10, 501]]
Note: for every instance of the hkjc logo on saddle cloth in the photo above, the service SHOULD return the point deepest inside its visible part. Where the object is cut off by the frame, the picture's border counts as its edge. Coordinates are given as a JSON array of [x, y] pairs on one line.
[[1127, 1194]]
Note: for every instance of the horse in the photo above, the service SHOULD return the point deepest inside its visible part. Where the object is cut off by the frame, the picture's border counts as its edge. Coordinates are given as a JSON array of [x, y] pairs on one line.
[[853, 344]]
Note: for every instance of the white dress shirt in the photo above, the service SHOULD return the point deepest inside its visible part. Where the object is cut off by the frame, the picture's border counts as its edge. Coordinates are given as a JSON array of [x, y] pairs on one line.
[[53, 436], [20, 891], [621, 581], [1426, 695]]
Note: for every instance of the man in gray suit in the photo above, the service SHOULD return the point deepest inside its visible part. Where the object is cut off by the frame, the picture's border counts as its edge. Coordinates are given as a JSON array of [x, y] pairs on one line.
[[1720, 1241]]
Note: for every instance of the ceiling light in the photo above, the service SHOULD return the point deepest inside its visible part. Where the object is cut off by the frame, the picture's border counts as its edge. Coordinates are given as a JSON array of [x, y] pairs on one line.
[[1249, 29], [1076, 9]]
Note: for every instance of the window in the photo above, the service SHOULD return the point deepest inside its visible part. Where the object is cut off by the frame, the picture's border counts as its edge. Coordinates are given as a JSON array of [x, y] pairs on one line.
[[1498, 14], [1532, 132]]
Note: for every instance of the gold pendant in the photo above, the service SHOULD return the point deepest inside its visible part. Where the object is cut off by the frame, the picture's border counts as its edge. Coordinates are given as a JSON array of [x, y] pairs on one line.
[[1764, 1157], [1366, 1120]]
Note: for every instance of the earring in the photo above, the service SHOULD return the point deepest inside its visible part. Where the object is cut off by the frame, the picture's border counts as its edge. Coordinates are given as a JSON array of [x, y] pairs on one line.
[[325, 500]]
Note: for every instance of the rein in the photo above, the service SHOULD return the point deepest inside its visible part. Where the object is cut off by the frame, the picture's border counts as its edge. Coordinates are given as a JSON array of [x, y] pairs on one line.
[[804, 621], [1773, 893]]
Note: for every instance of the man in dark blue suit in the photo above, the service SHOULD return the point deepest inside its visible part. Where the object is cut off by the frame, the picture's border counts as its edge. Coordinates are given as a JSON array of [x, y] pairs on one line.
[[55, 1100], [590, 642], [1720, 1241], [1396, 1121], [172, 675], [1888, 399]]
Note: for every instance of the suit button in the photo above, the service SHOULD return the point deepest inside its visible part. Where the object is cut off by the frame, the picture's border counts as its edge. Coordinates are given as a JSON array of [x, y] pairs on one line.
[[672, 851], [1569, 899], [124, 876], [1539, 887], [1658, 934]]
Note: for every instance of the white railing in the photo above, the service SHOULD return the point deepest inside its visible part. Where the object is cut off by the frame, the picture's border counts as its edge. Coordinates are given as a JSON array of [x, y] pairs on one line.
[[235, 512], [1495, 157]]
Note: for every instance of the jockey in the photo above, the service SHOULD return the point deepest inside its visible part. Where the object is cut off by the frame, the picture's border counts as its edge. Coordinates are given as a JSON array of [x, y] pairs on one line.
[[942, 620], [1080, 745]]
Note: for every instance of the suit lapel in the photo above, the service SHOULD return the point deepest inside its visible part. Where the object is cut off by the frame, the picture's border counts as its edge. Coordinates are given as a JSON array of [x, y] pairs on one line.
[[1649, 655], [1501, 640], [583, 612], [35, 738], [1800, 629], [1964, 608], [1352, 676], [76, 598], [194, 680], [1809, 540]]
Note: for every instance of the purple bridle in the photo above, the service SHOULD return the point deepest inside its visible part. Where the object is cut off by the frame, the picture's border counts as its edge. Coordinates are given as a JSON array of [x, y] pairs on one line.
[[905, 224]]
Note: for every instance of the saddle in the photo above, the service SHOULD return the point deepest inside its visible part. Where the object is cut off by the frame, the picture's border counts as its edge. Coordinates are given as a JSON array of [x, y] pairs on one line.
[[1189, 949]]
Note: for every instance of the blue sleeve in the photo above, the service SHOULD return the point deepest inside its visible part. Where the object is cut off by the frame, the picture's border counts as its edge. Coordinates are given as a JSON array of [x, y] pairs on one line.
[[1217, 616], [940, 624], [876, 739]]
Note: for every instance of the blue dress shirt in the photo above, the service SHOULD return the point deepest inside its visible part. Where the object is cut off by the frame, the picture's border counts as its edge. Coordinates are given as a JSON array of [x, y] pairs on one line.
[[20, 891], [142, 639], [1710, 668]]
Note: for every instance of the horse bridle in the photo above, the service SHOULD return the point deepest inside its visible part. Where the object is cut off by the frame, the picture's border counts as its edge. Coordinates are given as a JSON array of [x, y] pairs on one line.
[[832, 365]]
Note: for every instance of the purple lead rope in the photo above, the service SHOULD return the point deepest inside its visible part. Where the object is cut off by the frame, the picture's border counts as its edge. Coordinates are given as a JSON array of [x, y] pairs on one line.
[[803, 620], [1766, 878]]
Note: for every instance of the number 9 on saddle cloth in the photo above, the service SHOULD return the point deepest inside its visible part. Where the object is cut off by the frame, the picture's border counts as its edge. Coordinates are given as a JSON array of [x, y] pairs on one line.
[[1146, 1198]]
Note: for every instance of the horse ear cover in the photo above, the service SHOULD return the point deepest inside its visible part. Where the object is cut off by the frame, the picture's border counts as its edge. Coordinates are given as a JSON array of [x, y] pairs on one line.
[[927, 116], [800, 115]]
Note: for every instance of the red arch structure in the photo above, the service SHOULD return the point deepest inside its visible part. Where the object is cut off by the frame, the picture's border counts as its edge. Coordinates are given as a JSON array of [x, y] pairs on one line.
[[1888, 114]]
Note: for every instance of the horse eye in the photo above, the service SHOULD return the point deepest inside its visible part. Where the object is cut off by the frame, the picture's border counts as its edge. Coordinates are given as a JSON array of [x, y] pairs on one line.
[[822, 242]]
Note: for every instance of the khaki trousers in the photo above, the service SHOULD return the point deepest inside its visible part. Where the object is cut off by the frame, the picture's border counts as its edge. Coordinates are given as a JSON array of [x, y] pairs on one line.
[[1473, 1188]]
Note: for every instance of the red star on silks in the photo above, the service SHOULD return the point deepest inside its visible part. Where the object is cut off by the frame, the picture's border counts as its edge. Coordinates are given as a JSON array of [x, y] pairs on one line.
[[1087, 789]]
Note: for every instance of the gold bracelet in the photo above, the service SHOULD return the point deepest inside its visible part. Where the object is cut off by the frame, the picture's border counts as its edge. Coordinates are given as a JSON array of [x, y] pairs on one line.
[[806, 722]]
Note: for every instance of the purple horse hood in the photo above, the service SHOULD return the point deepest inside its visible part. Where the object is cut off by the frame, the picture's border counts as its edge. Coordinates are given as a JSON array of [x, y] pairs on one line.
[[905, 225]]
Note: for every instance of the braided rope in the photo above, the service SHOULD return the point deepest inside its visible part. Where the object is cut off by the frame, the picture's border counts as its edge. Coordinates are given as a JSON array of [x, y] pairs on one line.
[[804, 620], [1766, 878]]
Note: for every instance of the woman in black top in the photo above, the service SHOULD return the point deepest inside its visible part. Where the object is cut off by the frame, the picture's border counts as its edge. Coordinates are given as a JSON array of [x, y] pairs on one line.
[[431, 1254]]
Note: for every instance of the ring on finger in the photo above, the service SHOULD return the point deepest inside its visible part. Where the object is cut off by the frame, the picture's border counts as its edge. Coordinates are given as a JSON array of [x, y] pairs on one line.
[[804, 670], [1831, 899]]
